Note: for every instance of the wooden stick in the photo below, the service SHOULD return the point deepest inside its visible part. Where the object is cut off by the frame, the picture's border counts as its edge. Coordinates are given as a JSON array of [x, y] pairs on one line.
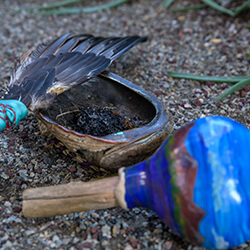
[[70, 198]]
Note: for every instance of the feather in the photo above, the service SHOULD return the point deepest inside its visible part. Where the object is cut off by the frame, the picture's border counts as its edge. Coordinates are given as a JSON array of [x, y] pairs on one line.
[[80, 62], [53, 46], [66, 62], [72, 42]]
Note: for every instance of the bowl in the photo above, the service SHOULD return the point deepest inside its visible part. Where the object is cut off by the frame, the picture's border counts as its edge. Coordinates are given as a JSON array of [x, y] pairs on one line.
[[148, 123]]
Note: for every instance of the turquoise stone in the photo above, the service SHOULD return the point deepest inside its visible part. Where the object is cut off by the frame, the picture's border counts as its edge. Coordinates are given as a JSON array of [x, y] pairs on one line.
[[11, 112]]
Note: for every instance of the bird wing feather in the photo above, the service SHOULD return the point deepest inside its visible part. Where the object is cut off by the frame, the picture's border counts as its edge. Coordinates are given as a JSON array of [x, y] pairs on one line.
[[67, 61]]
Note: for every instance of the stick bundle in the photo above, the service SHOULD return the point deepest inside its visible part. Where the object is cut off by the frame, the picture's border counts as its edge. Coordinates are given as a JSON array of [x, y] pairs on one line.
[[70, 198]]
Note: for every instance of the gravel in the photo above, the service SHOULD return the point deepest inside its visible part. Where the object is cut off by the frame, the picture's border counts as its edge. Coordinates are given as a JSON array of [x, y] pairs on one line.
[[198, 42]]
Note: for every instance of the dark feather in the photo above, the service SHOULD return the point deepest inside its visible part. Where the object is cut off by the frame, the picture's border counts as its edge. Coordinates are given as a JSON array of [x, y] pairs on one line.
[[69, 58], [81, 62], [41, 84], [55, 60], [33, 67], [104, 45], [94, 68], [36, 85], [53, 46], [65, 62], [72, 43]]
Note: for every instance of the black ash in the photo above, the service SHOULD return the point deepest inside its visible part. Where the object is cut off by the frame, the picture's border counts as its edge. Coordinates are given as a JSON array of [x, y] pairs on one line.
[[99, 121]]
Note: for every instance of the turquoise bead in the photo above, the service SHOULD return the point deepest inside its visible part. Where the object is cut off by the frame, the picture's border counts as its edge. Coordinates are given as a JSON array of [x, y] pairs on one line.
[[11, 112]]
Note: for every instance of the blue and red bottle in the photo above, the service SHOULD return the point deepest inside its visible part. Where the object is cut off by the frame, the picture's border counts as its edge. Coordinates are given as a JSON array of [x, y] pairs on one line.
[[197, 182]]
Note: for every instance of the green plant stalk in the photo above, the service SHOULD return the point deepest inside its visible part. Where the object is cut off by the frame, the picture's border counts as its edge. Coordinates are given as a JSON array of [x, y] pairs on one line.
[[167, 3], [241, 8], [59, 4], [235, 87], [218, 7], [192, 7], [85, 10], [51, 6], [221, 79]]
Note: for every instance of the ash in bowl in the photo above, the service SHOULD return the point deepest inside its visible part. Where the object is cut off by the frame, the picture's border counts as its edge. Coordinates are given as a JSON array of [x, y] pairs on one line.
[[101, 107], [97, 121]]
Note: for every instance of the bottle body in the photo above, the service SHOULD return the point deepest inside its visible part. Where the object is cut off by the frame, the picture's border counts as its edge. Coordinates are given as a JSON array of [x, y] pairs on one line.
[[197, 183]]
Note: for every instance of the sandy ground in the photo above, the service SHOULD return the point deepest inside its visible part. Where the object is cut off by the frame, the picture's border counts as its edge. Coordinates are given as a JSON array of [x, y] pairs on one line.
[[198, 42]]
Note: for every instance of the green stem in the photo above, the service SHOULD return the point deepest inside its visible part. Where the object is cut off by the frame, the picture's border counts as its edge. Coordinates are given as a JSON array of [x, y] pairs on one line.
[[227, 79], [51, 6], [167, 3], [241, 8], [59, 4], [235, 87], [192, 7], [85, 10], [218, 7]]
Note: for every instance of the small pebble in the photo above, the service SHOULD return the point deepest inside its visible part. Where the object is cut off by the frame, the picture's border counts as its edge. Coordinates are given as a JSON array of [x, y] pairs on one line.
[[7, 204]]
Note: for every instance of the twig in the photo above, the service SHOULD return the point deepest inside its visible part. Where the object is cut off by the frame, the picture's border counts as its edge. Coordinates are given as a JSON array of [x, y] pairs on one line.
[[68, 112]]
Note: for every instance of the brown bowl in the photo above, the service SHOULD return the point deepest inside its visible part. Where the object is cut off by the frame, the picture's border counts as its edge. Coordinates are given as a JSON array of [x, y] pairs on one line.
[[115, 150]]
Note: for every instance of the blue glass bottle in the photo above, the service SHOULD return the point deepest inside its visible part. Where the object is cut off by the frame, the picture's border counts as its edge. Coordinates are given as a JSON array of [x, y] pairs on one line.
[[198, 183]]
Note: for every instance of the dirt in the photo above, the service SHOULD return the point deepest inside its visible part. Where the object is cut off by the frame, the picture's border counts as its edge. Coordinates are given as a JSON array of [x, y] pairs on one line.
[[202, 42]]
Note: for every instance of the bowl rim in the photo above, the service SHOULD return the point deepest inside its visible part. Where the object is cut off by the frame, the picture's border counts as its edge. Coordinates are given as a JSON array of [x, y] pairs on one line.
[[161, 119]]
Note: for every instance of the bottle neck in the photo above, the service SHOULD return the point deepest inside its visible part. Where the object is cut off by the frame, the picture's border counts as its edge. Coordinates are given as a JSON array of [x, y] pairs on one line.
[[136, 183], [147, 181], [155, 184]]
